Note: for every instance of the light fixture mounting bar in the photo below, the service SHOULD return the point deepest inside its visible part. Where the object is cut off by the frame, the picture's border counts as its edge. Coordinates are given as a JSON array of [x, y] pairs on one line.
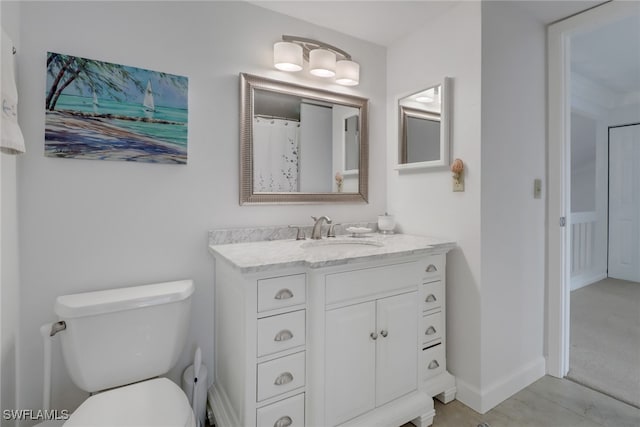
[[310, 44]]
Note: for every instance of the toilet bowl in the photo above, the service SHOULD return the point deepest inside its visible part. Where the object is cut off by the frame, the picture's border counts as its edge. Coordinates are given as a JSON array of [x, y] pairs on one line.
[[117, 343], [157, 402]]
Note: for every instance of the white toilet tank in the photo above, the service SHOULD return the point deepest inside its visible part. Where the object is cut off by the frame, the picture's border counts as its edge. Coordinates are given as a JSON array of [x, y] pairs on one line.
[[119, 336]]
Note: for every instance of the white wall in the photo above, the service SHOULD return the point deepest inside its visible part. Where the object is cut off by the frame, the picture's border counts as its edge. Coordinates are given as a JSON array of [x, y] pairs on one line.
[[316, 148], [9, 266], [423, 203], [89, 225], [513, 222], [350, 181], [583, 163]]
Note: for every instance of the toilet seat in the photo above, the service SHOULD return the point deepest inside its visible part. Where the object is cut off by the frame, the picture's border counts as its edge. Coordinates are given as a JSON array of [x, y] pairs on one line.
[[156, 402]]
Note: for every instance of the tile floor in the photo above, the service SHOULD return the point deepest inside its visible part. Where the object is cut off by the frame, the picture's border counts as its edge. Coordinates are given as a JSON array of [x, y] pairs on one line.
[[549, 402]]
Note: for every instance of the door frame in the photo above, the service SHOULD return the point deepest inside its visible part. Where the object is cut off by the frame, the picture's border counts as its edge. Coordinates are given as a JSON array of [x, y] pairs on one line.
[[558, 284]]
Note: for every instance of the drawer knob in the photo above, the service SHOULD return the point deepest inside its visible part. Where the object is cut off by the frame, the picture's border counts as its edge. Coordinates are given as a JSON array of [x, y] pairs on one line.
[[284, 294], [373, 335], [384, 333], [430, 298], [284, 378], [283, 335], [434, 364], [430, 330], [431, 268], [285, 421]]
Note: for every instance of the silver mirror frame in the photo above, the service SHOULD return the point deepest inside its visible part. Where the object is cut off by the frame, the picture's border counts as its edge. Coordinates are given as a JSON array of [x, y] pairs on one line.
[[248, 84], [445, 129]]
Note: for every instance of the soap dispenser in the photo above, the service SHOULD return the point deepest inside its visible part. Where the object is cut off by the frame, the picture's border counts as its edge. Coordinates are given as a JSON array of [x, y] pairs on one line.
[[386, 223]]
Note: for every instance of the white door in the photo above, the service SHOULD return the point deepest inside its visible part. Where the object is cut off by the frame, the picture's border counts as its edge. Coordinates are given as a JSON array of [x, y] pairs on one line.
[[624, 203], [350, 362], [396, 351]]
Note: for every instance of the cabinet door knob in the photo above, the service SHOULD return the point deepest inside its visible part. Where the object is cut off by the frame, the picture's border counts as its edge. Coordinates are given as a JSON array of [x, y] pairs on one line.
[[373, 335], [431, 268], [430, 330], [430, 298], [284, 378], [284, 294], [285, 421], [384, 333], [283, 335], [434, 364]]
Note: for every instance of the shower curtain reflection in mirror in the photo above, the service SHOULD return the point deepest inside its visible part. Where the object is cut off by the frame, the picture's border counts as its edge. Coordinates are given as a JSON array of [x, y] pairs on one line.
[[276, 148]]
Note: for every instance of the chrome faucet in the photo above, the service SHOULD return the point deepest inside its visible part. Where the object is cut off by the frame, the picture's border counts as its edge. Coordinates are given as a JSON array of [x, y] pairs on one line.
[[316, 233]]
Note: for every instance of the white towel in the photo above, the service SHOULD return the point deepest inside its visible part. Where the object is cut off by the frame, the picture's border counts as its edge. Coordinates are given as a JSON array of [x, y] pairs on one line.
[[12, 141]]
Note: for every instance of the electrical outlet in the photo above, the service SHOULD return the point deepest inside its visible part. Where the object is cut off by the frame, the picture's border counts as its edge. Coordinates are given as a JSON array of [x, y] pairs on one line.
[[537, 188], [458, 184]]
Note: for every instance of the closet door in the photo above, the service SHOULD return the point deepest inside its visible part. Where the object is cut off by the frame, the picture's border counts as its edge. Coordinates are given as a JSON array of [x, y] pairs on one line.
[[624, 203]]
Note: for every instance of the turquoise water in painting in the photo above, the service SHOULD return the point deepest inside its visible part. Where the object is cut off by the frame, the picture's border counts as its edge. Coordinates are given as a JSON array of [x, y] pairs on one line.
[[173, 133]]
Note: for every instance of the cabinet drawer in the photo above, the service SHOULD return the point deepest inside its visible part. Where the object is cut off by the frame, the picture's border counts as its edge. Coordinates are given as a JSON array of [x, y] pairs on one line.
[[279, 292], [432, 296], [371, 281], [433, 267], [431, 327], [433, 359], [285, 413], [281, 332], [280, 375]]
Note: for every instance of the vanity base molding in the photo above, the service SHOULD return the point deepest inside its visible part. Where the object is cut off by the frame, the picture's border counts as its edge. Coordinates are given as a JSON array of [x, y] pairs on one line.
[[417, 407]]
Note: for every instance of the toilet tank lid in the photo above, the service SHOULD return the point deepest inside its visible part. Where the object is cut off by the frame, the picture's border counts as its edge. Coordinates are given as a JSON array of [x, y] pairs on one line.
[[112, 300]]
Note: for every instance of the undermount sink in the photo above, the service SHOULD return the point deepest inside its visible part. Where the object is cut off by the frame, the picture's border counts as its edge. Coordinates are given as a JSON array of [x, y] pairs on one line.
[[340, 244]]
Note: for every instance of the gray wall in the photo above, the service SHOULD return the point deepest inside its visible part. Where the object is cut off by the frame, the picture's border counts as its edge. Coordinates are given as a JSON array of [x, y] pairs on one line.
[[87, 225]]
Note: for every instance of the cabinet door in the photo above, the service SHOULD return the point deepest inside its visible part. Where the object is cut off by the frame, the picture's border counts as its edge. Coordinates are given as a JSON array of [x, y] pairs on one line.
[[350, 362], [397, 352]]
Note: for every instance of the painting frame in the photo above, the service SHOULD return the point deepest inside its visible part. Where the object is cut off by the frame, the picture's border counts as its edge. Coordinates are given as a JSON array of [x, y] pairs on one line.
[[97, 110]]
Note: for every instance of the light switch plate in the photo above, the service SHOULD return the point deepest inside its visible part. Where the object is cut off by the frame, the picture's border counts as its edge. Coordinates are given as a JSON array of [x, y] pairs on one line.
[[537, 188]]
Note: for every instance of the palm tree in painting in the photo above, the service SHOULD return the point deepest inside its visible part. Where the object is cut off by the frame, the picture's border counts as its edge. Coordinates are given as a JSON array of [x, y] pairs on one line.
[[100, 77]]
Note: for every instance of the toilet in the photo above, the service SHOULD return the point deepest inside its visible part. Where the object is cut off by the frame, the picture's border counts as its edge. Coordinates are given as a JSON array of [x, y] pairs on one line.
[[116, 343]]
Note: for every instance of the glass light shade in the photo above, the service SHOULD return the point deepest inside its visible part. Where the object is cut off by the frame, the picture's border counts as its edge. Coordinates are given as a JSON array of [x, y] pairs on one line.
[[322, 63], [347, 73], [287, 56]]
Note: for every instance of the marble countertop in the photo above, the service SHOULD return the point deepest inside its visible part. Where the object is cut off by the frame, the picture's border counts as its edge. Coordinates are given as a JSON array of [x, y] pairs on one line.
[[253, 257]]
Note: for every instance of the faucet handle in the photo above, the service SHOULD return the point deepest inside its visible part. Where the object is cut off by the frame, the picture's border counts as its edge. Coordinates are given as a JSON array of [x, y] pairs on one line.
[[300, 234], [332, 231]]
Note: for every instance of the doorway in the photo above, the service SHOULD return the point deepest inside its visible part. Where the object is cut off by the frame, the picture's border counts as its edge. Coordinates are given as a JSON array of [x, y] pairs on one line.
[[559, 254]]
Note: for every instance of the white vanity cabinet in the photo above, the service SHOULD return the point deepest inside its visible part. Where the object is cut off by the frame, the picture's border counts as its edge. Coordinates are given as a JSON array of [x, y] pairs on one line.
[[260, 344], [370, 354], [337, 342]]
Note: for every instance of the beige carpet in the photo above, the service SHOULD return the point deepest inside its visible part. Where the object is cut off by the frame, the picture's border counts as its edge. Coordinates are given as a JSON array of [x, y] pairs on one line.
[[605, 338]]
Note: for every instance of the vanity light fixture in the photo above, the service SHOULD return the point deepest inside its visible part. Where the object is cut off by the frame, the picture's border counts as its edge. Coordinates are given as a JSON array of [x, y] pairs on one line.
[[428, 96], [424, 98], [324, 60], [287, 56]]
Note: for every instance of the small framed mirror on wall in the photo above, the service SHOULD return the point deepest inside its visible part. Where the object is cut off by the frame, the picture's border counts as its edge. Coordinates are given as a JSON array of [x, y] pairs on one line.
[[424, 124]]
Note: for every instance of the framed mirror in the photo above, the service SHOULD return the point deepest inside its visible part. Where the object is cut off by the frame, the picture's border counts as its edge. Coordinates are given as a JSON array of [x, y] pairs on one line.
[[300, 144], [424, 127]]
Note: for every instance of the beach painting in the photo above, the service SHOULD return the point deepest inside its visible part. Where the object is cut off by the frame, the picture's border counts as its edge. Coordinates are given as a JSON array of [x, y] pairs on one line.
[[103, 111]]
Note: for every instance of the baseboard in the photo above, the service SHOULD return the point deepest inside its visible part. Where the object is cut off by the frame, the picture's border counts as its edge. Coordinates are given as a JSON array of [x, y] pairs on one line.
[[220, 405], [586, 280], [483, 400], [468, 394]]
